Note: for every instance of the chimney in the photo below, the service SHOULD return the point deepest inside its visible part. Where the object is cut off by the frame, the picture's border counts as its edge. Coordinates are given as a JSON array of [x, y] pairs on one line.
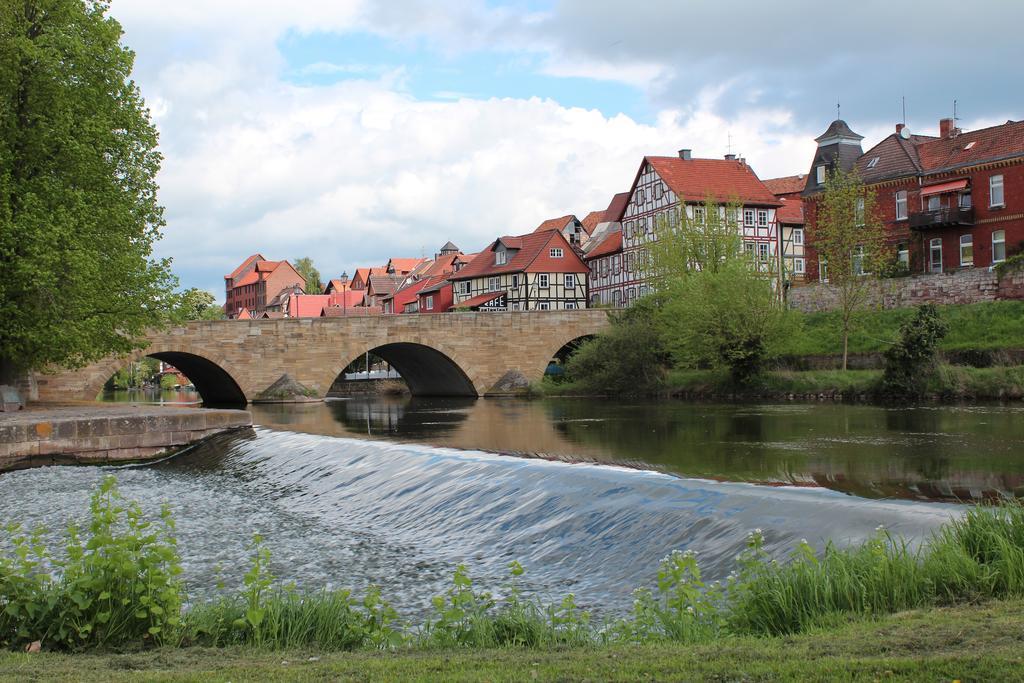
[[899, 127], [946, 128], [730, 157], [685, 154]]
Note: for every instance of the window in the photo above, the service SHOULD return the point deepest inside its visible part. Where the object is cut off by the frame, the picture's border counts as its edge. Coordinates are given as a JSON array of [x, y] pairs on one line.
[[570, 281], [934, 203], [631, 293], [749, 248], [935, 255], [762, 218], [542, 280], [903, 255], [966, 250], [798, 266], [616, 264], [748, 217], [858, 260], [464, 287], [901, 205], [659, 191], [762, 252], [858, 212], [571, 306], [823, 269], [492, 284], [995, 191], [428, 303], [873, 162], [821, 175], [515, 281], [543, 306], [555, 252], [798, 236], [699, 215], [500, 257], [515, 305], [998, 246], [640, 198], [965, 200]]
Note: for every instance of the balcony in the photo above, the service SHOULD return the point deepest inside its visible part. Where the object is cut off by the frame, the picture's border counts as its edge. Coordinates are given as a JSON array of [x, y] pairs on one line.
[[941, 218]]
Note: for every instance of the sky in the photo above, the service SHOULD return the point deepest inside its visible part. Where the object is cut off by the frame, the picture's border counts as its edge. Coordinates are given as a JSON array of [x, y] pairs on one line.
[[351, 131]]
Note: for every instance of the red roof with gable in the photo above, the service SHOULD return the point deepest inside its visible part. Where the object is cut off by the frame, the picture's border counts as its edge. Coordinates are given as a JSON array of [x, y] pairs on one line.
[[609, 245], [791, 212], [989, 144], [406, 295], [403, 266], [693, 180], [248, 279], [532, 255], [555, 223], [245, 264], [307, 305]]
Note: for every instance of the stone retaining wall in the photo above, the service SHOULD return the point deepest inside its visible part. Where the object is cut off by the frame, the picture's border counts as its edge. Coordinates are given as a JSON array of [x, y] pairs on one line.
[[97, 435], [967, 286]]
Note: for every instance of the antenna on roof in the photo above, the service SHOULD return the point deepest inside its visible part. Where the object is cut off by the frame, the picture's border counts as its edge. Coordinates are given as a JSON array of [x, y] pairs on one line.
[[839, 114], [955, 118], [904, 110], [729, 149]]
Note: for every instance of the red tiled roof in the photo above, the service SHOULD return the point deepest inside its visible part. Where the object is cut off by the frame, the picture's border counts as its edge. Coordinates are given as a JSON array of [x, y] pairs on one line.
[[998, 142], [348, 298], [267, 266], [336, 285], [791, 212], [591, 220], [555, 223], [340, 312], [364, 274], [271, 315], [404, 265], [384, 284], [245, 263], [244, 314], [479, 299], [609, 245], [307, 305], [435, 284], [724, 179], [249, 278], [787, 185], [531, 256], [406, 295], [617, 207]]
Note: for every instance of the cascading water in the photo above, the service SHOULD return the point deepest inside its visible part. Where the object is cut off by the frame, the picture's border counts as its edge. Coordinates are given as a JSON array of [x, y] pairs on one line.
[[347, 512]]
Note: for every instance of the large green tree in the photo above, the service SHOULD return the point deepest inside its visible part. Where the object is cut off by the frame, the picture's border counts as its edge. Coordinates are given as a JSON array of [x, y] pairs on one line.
[[78, 205], [310, 274], [198, 304]]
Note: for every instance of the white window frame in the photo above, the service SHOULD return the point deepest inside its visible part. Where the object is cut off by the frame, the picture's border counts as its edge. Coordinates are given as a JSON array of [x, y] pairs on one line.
[[995, 185], [500, 257], [970, 245], [570, 281], [901, 205], [903, 254], [763, 252], [762, 218], [699, 215], [798, 265], [493, 283], [571, 306], [428, 302], [822, 268], [748, 218], [820, 174], [556, 252], [543, 281], [1001, 242], [935, 242], [798, 237], [543, 306], [933, 203]]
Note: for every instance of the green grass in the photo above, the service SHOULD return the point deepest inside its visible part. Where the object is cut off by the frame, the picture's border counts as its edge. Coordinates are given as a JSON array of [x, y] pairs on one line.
[[981, 642], [984, 326]]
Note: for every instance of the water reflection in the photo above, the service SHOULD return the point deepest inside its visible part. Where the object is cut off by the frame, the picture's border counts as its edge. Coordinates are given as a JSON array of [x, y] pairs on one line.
[[945, 453], [152, 395]]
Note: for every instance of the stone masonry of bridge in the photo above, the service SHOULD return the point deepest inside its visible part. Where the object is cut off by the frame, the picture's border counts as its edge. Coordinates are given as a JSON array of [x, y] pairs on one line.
[[471, 353]]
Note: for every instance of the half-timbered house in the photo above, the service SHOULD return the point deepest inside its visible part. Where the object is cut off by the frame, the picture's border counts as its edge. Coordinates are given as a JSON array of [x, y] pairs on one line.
[[790, 217], [539, 271]]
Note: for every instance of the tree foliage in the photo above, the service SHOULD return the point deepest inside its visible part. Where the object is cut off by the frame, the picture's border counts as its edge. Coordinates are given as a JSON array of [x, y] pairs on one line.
[[78, 206], [850, 239], [911, 361], [720, 303], [197, 304], [628, 359], [310, 274]]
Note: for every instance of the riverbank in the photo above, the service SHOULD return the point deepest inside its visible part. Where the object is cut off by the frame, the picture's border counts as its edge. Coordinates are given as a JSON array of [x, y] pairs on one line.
[[969, 642], [101, 434], [952, 383]]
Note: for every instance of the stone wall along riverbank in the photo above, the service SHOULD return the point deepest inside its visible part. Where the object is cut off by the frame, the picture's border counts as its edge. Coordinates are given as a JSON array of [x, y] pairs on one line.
[[101, 434]]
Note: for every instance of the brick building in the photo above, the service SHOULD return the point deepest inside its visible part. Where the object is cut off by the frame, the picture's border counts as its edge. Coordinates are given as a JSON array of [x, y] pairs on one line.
[[256, 283], [948, 202]]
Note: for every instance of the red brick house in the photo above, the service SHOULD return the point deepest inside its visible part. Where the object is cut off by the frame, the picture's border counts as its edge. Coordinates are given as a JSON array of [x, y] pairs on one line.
[[256, 282], [538, 271], [948, 202]]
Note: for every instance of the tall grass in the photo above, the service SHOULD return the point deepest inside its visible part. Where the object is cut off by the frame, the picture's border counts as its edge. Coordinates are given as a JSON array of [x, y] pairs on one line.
[[119, 586]]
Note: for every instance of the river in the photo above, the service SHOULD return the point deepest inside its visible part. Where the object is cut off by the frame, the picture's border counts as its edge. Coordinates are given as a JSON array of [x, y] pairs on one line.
[[588, 495]]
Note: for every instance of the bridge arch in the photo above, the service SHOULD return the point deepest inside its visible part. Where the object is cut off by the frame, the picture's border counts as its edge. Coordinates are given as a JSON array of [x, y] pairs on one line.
[[215, 385], [427, 370]]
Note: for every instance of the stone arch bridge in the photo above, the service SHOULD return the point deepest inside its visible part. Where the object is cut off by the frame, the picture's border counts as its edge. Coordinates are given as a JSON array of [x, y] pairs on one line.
[[452, 354]]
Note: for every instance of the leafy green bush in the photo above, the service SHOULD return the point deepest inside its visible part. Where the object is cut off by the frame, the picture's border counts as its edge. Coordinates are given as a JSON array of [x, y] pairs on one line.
[[120, 585], [628, 359], [911, 361]]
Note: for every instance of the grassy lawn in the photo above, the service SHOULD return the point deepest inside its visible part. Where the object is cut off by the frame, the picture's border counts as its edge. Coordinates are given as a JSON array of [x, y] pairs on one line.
[[995, 325], [970, 643]]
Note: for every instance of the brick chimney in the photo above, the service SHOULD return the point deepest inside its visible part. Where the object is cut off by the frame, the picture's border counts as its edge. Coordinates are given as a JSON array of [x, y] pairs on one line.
[[899, 127], [946, 128], [686, 154], [730, 157]]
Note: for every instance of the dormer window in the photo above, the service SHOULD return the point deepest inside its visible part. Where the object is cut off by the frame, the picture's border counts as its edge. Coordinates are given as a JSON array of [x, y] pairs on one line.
[[556, 252], [820, 174], [873, 162], [500, 257], [970, 144]]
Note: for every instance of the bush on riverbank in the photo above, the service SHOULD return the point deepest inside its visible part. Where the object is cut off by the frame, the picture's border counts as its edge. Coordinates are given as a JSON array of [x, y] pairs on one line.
[[120, 587]]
